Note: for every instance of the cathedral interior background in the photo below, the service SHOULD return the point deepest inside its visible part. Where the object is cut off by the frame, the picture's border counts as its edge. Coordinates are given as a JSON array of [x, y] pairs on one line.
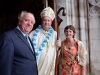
[[83, 14]]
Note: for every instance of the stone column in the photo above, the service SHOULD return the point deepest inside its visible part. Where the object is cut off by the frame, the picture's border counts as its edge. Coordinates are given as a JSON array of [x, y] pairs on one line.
[[94, 26], [83, 27]]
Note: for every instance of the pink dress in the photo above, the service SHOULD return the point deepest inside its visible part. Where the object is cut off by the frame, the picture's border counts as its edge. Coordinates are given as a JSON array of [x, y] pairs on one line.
[[70, 64]]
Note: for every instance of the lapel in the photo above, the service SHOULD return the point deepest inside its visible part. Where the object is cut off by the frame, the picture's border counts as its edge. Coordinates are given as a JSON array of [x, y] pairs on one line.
[[21, 36]]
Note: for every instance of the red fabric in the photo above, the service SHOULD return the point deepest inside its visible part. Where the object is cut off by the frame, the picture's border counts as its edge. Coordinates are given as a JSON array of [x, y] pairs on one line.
[[69, 63]]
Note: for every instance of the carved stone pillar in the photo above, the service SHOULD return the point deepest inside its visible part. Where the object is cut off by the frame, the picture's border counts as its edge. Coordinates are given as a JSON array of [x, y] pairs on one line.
[[94, 26]]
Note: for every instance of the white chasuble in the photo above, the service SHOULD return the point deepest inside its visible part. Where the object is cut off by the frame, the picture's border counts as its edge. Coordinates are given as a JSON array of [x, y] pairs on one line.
[[47, 57]]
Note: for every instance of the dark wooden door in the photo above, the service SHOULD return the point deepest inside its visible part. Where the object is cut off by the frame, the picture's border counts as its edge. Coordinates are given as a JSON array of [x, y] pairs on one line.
[[11, 8]]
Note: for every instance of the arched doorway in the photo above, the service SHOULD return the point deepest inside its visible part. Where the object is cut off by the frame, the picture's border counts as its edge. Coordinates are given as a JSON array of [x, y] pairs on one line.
[[10, 10]]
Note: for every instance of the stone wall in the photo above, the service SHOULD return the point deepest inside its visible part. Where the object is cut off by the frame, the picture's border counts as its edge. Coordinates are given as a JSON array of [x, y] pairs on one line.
[[94, 26], [85, 16]]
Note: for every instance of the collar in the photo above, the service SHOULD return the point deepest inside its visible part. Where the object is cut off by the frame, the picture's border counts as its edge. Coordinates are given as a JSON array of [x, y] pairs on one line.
[[21, 30], [44, 32]]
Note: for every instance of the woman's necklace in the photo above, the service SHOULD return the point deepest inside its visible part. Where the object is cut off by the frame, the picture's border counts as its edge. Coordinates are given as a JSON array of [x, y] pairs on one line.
[[70, 44], [42, 46]]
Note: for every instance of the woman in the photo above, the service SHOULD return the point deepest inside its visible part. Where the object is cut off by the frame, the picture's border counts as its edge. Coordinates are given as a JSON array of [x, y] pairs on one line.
[[73, 54]]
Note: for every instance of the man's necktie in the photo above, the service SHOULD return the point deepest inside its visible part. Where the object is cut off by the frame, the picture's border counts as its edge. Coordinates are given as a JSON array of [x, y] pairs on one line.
[[27, 37]]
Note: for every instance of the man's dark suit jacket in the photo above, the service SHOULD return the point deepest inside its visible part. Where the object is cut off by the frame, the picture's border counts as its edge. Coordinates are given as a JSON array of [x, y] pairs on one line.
[[16, 56]]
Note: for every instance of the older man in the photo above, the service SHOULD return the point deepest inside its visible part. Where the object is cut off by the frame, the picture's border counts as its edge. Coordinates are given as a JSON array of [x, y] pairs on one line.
[[45, 42], [17, 55]]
